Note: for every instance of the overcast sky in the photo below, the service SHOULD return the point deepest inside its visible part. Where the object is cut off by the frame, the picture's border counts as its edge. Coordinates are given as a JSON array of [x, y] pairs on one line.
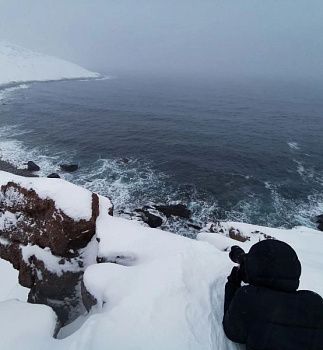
[[272, 38]]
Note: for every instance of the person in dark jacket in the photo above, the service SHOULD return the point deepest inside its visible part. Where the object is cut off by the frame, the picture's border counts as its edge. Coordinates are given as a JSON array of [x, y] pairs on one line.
[[269, 313]]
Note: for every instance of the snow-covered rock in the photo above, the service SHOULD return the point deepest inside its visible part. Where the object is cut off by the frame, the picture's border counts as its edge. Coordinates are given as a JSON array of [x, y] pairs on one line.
[[18, 64], [46, 227]]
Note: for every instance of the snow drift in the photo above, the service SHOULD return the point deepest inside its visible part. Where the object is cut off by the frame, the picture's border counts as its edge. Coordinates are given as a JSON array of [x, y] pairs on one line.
[[18, 65], [150, 289]]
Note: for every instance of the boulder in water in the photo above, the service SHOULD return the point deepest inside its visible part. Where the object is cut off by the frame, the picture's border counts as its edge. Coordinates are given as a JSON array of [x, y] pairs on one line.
[[53, 176], [70, 168], [31, 166], [179, 210], [150, 217]]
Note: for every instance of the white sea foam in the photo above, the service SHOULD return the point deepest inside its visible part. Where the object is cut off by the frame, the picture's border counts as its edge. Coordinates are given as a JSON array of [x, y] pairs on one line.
[[16, 153], [293, 145], [132, 184], [6, 93]]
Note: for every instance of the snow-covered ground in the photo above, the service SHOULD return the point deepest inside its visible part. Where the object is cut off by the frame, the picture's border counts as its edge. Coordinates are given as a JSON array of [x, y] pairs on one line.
[[18, 65], [156, 290]]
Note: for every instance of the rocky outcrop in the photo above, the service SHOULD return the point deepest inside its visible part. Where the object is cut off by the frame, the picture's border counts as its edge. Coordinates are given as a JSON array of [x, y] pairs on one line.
[[179, 210], [70, 168], [45, 243], [319, 221], [5, 166], [150, 216], [31, 166], [155, 215], [53, 176]]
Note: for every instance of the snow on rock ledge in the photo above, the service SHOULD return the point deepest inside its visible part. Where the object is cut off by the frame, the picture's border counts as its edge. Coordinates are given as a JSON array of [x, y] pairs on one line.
[[46, 228], [18, 64]]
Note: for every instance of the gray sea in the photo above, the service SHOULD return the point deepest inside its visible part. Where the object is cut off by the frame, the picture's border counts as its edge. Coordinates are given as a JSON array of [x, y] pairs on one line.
[[247, 151]]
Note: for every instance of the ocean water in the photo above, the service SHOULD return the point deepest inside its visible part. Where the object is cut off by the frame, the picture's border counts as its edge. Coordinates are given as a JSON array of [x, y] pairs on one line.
[[247, 151]]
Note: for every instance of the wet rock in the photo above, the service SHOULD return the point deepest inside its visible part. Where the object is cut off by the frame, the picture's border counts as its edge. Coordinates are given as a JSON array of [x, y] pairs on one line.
[[195, 227], [69, 168], [319, 221], [10, 168], [53, 176], [31, 166], [46, 246], [179, 210], [151, 218]]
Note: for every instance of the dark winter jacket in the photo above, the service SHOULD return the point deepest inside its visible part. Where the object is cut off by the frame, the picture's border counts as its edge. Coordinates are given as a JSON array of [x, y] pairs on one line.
[[269, 314]]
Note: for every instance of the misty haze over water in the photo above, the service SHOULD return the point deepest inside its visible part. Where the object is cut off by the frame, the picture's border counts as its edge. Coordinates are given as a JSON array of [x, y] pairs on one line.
[[213, 38], [217, 104]]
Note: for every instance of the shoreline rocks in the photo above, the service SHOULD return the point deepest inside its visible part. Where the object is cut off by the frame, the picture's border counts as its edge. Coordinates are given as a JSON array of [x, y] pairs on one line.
[[179, 210], [10, 168]]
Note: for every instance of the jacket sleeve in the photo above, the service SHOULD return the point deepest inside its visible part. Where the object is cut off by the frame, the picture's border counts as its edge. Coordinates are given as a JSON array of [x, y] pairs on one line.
[[232, 285], [236, 316]]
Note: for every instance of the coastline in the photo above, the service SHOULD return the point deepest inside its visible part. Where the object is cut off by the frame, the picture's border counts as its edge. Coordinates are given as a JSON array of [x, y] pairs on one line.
[[10, 168]]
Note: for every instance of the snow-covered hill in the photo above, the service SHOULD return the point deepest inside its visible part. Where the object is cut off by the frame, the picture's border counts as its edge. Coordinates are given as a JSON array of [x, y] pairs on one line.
[[153, 289], [18, 64]]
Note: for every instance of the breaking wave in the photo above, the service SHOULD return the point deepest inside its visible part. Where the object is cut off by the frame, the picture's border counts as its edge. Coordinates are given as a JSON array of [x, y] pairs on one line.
[[6, 92], [293, 145], [132, 183]]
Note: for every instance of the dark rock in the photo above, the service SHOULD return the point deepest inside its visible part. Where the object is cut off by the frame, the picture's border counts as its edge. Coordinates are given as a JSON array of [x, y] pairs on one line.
[[70, 168], [151, 219], [53, 176], [87, 298], [31, 166], [125, 160], [195, 227], [179, 210], [5, 166], [319, 219]]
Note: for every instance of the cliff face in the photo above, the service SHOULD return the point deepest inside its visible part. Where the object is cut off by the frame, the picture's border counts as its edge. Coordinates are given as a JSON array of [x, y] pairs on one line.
[[45, 242]]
